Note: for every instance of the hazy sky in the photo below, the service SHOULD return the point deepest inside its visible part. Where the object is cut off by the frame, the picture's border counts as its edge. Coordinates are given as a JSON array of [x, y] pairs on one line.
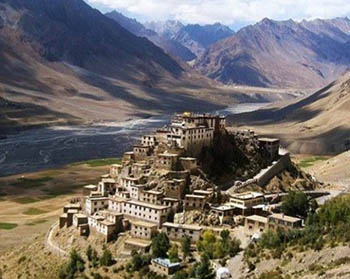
[[231, 12]]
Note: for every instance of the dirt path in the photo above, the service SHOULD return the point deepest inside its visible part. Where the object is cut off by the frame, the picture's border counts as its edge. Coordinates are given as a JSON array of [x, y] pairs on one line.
[[51, 245]]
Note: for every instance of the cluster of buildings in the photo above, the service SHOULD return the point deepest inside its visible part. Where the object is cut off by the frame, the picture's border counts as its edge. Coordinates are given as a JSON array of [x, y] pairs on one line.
[[142, 194]]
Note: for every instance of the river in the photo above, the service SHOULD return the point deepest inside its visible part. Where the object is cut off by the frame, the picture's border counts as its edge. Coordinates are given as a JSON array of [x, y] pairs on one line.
[[50, 147]]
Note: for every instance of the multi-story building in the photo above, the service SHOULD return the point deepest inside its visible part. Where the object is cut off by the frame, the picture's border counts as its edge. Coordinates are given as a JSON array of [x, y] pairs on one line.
[[136, 210], [174, 188], [283, 221], [245, 202], [270, 146], [225, 213], [149, 140], [177, 231], [144, 230], [167, 161], [256, 223], [215, 122], [94, 204], [164, 266], [151, 196], [194, 202]]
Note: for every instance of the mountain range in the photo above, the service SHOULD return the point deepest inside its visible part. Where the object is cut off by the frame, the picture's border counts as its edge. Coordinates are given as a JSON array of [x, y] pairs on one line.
[[187, 42], [65, 61], [307, 54]]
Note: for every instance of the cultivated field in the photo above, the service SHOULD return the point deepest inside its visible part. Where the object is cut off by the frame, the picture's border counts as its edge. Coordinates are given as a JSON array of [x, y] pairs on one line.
[[30, 203]]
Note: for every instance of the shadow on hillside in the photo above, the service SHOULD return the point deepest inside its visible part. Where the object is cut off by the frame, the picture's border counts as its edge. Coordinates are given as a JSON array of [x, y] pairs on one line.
[[156, 100], [291, 113]]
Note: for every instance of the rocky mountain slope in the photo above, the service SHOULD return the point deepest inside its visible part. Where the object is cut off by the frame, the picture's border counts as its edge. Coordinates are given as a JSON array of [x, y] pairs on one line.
[[171, 46], [318, 124], [194, 37], [66, 62], [309, 54]]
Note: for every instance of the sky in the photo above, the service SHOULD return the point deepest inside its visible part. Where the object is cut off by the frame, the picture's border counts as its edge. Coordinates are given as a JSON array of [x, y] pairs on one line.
[[234, 13]]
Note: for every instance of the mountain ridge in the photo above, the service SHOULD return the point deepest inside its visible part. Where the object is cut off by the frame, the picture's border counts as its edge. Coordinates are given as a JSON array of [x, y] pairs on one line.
[[280, 54]]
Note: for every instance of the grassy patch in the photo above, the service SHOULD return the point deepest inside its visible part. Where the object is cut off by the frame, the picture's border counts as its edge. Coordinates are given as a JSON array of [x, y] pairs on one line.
[[36, 222], [309, 162], [7, 226], [28, 183], [99, 162], [61, 190], [25, 200], [34, 211]]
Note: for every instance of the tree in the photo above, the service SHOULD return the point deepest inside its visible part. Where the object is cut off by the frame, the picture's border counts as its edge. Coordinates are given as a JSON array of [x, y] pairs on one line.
[[107, 258], [136, 261], [225, 235], [186, 246], [94, 258], [295, 204], [202, 270], [174, 254], [207, 242], [75, 264], [181, 274], [89, 253], [160, 245]]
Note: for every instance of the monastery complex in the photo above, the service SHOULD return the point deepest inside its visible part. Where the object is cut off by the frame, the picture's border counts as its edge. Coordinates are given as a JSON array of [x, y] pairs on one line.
[[152, 190]]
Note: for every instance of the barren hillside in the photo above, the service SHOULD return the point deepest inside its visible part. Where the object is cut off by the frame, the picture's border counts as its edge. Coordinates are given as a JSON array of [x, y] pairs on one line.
[[318, 124]]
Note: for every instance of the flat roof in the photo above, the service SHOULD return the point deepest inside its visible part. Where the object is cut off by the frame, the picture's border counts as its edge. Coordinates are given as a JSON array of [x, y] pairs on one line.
[[107, 223], [165, 262], [97, 198], [111, 212], [223, 207], [182, 226], [149, 205], [97, 217], [268, 139], [257, 218], [116, 165], [80, 215], [144, 224], [72, 205], [168, 155], [247, 196], [195, 196], [72, 211], [130, 178], [280, 216], [90, 186], [109, 180], [153, 192], [202, 192], [170, 199], [138, 242]]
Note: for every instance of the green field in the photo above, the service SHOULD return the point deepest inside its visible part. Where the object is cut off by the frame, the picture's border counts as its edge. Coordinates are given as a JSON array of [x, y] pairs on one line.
[[37, 222], [34, 211], [7, 226], [25, 200], [99, 162], [27, 183], [309, 162]]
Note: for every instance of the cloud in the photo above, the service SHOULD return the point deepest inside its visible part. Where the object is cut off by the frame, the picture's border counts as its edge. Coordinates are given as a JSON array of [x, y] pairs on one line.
[[228, 11]]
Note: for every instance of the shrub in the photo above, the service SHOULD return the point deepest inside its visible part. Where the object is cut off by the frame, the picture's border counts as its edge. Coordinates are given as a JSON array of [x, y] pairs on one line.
[[160, 245], [107, 258]]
